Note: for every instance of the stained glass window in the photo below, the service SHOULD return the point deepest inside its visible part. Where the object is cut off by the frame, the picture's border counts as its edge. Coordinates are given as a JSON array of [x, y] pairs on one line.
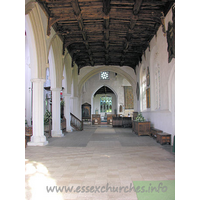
[[106, 104]]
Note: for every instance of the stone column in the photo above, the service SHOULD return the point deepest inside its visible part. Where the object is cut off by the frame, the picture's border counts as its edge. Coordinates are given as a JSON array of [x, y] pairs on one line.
[[75, 106], [38, 138], [56, 131], [67, 111]]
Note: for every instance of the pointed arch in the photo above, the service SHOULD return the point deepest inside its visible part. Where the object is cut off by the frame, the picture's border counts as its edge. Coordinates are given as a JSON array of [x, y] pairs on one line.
[[68, 73], [105, 68], [92, 96], [56, 62], [31, 47], [101, 87], [36, 37]]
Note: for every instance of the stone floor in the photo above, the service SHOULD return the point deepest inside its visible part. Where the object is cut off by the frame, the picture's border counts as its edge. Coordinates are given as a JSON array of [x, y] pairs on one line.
[[98, 163]]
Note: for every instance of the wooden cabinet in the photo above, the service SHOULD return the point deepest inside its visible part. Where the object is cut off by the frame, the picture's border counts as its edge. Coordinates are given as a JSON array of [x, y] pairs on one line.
[[127, 122], [110, 118], [117, 122], [135, 114], [96, 119], [122, 122], [141, 128]]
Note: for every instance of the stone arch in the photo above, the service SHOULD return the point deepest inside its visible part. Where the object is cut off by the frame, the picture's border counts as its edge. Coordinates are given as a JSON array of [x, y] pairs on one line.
[[28, 84], [152, 67], [143, 69], [36, 37], [68, 73], [52, 68], [171, 92], [32, 51], [106, 68], [56, 62], [92, 96], [171, 86], [106, 86], [29, 6]]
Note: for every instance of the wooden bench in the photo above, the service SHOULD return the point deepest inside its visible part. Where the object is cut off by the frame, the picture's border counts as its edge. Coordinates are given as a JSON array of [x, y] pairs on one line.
[[154, 131], [163, 138]]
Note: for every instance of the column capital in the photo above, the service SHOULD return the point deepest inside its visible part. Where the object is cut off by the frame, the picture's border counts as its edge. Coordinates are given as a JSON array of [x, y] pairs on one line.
[[55, 89], [73, 97], [66, 94], [38, 80]]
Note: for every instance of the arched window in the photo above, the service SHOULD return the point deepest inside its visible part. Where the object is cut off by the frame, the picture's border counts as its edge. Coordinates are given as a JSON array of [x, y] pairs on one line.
[[157, 87], [106, 104], [143, 89], [105, 75]]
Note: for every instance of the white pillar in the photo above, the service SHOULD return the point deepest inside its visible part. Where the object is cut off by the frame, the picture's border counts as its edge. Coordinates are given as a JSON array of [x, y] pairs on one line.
[[38, 138], [67, 111], [75, 106], [56, 131]]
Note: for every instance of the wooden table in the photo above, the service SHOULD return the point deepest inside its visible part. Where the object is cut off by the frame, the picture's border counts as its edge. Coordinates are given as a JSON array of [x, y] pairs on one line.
[[163, 138]]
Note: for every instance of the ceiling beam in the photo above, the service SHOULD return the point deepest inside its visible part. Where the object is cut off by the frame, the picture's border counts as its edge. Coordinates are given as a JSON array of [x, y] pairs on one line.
[[77, 12], [105, 32], [129, 33], [137, 6], [76, 8], [133, 21], [106, 6], [106, 36]]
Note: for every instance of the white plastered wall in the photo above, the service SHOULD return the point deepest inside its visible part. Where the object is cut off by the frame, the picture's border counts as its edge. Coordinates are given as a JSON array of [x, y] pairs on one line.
[[115, 83], [154, 56]]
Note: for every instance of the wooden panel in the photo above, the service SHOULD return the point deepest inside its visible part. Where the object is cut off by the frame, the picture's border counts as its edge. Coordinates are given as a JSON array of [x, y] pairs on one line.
[[141, 128], [122, 122], [96, 119], [110, 118], [148, 98], [117, 122], [127, 122], [119, 25], [135, 114], [154, 131], [164, 138]]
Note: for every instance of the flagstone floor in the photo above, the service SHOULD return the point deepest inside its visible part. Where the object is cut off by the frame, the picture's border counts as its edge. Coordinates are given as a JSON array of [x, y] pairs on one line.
[[100, 162]]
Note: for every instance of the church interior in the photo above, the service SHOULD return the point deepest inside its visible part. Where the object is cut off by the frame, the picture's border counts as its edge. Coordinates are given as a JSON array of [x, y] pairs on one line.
[[99, 97]]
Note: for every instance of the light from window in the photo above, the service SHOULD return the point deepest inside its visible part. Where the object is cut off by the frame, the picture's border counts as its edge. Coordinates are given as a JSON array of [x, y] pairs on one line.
[[157, 87], [104, 75], [144, 92], [106, 104]]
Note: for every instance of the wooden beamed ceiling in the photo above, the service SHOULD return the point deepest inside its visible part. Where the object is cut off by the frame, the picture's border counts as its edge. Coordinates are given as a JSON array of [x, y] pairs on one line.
[[105, 32]]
